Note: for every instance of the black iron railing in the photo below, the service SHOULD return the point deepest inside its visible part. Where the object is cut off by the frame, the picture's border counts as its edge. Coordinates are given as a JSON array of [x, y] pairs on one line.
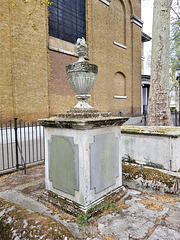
[[21, 144], [175, 118]]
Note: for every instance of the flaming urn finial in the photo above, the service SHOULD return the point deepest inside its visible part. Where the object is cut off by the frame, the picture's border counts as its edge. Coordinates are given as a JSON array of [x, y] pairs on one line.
[[82, 76]]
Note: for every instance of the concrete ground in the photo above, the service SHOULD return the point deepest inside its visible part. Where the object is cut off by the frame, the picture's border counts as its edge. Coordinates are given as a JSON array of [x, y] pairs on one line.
[[137, 215], [135, 121]]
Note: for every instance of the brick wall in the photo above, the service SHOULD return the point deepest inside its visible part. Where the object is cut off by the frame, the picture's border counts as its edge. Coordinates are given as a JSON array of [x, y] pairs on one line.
[[103, 29], [33, 81], [62, 97], [105, 25], [24, 72], [6, 94]]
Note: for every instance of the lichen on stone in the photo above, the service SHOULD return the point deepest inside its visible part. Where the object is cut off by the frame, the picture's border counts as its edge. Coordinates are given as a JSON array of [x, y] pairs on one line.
[[149, 178], [150, 130], [19, 223]]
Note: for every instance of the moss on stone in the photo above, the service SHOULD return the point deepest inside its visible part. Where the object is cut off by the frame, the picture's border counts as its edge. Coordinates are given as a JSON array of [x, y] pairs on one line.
[[134, 172], [17, 222], [143, 129]]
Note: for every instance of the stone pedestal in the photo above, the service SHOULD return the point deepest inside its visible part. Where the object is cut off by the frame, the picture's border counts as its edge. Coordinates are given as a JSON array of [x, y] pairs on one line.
[[82, 157]]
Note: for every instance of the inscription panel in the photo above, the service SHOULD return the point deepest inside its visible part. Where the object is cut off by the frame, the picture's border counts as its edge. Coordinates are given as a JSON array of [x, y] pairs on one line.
[[104, 161], [64, 164]]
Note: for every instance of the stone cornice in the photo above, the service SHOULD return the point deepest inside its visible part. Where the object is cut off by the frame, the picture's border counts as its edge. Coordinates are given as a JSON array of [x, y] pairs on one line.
[[62, 121]]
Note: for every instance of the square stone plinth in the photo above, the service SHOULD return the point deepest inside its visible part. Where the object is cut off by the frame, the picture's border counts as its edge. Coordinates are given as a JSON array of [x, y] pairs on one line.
[[83, 159]]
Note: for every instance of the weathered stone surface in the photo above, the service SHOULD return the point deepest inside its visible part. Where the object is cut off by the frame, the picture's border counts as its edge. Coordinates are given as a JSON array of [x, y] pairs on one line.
[[152, 146], [149, 179], [139, 214], [64, 164], [82, 76], [81, 67], [172, 220], [85, 148], [82, 123], [162, 232], [76, 209], [134, 222], [154, 131], [17, 222], [104, 161]]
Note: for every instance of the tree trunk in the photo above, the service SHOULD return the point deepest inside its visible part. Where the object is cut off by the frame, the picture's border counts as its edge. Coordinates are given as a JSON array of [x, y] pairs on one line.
[[159, 110]]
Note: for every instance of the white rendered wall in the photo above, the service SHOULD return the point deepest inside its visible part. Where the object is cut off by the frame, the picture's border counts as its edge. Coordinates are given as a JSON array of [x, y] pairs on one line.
[[158, 150]]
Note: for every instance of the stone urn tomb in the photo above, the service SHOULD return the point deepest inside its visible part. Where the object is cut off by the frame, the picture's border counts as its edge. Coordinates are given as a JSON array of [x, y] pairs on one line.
[[82, 147]]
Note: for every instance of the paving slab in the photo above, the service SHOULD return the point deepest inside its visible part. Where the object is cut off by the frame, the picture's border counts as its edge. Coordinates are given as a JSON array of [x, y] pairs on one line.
[[164, 233], [138, 215]]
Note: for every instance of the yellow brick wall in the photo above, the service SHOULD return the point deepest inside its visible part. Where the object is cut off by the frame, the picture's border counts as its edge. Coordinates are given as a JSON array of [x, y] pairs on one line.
[[62, 97], [105, 24], [6, 103], [24, 78], [33, 81], [102, 32]]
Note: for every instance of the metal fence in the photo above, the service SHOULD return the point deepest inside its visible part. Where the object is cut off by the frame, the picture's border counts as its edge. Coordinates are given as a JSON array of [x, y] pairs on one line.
[[21, 144], [175, 118]]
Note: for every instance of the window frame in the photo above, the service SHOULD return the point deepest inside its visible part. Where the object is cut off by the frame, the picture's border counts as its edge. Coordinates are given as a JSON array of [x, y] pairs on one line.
[[63, 45]]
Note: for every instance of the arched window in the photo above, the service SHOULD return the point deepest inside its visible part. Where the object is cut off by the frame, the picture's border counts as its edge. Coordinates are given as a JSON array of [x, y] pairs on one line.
[[67, 20], [119, 84], [118, 22]]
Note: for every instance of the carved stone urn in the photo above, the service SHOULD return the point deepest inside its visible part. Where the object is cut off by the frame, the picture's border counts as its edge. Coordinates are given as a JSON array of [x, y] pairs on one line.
[[82, 76]]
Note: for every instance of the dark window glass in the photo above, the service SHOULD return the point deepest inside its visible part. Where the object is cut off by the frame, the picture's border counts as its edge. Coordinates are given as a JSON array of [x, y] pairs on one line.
[[67, 20]]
